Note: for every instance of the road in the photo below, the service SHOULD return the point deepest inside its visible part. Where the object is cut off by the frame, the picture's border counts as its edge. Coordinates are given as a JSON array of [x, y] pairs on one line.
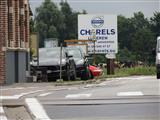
[[128, 98]]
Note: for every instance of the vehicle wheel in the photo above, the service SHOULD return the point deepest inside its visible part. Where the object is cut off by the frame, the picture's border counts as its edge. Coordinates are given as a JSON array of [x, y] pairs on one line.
[[67, 74], [73, 77], [85, 75], [158, 75]]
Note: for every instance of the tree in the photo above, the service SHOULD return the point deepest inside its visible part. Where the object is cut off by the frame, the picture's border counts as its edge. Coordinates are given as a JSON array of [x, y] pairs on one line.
[[124, 55], [142, 38], [139, 21], [125, 30], [32, 25], [70, 21], [136, 38], [49, 21], [155, 24], [69, 29]]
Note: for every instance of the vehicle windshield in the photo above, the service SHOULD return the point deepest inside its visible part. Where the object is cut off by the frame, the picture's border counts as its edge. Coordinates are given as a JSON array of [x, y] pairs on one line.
[[75, 52], [50, 53]]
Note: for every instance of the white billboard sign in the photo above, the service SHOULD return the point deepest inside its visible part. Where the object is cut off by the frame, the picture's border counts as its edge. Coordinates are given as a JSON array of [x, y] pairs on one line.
[[102, 28]]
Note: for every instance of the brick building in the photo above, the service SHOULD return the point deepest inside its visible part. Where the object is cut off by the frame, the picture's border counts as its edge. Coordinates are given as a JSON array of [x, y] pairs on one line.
[[14, 40]]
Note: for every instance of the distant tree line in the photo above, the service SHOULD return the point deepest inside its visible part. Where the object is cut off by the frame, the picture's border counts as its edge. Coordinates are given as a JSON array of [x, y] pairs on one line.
[[136, 35], [52, 21]]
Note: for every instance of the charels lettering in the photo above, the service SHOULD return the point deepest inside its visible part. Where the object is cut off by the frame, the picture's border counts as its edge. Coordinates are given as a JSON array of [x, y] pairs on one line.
[[98, 32]]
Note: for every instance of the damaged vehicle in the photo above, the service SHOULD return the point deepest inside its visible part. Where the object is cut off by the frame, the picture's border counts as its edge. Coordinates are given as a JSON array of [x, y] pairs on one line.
[[48, 66], [82, 65]]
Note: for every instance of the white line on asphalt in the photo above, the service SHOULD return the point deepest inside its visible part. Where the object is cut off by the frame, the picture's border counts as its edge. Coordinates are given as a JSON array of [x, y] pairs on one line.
[[135, 93], [1, 110], [37, 109], [18, 96], [75, 96], [102, 84], [2, 117], [32, 87], [89, 85], [134, 78], [73, 88], [45, 94], [18, 88], [8, 97]]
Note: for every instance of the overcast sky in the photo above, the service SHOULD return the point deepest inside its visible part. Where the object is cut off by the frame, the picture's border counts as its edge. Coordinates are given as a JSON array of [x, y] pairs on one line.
[[123, 7]]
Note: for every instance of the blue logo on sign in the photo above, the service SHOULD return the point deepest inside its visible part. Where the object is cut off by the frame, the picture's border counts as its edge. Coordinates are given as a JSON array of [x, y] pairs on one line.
[[97, 22]]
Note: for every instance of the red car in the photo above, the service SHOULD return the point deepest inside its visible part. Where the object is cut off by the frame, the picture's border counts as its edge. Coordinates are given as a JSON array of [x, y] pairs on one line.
[[95, 71]]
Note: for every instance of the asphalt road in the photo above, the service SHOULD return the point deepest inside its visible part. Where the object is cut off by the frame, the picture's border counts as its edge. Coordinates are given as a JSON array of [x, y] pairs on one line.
[[129, 98], [142, 111], [132, 98]]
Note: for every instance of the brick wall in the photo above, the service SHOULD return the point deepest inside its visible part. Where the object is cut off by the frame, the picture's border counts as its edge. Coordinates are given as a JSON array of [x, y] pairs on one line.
[[14, 29], [11, 23], [27, 30], [17, 19], [22, 27], [3, 36]]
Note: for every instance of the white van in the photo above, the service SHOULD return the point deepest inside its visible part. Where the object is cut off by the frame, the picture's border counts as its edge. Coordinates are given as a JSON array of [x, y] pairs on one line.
[[158, 57]]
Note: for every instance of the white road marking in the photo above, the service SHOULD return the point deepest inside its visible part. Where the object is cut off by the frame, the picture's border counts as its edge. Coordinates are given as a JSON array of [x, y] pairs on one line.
[[45, 94], [2, 117], [32, 87], [135, 93], [17, 88], [134, 78], [90, 85], [1, 110], [9, 97], [102, 84], [18, 96], [73, 88], [37, 109], [75, 96]]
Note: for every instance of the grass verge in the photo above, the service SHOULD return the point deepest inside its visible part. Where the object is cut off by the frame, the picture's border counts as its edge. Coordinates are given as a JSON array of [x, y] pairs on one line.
[[122, 72], [140, 70]]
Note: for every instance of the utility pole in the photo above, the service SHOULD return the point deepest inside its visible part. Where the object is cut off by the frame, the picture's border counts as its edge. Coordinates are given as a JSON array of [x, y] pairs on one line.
[[94, 42], [60, 60]]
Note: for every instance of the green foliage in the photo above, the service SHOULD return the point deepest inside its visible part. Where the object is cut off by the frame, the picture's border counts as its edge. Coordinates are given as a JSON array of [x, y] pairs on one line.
[[55, 22], [143, 44], [155, 23], [32, 25], [125, 30], [140, 70], [70, 21], [137, 37], [124, 55], [49, 21]]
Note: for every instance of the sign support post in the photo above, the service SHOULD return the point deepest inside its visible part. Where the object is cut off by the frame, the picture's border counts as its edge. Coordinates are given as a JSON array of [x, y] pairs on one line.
[[110, 63], [94, 41], [110, 66]]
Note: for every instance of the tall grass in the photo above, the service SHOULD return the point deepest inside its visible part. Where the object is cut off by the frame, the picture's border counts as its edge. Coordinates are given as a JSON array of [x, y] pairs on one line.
[[140, 70]]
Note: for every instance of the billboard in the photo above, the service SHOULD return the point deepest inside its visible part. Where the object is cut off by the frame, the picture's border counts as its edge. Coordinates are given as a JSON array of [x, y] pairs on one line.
[[102, 28]]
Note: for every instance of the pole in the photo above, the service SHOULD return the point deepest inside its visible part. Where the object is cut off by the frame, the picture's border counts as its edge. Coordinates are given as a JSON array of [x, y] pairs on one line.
[[94, 40], [94, 59], [60, 61], [110, 66]]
